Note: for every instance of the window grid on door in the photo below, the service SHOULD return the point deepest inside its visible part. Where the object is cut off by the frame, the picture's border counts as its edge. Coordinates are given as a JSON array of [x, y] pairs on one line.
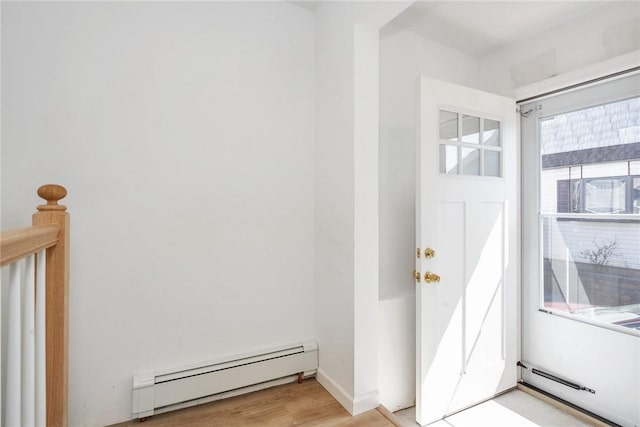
[[469, 145]]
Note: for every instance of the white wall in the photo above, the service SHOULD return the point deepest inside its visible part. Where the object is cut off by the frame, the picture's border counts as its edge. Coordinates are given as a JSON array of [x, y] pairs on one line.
[[334, 193], [404, 56], [607, 32], [346, 262], [184, 134]]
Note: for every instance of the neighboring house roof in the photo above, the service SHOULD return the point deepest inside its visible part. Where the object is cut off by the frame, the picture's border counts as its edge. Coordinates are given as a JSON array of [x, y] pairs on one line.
[[596, 127], [614, 153]]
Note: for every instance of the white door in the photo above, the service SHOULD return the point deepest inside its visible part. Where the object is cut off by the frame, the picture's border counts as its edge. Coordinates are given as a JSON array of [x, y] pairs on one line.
[[466, 213], [581, 240]]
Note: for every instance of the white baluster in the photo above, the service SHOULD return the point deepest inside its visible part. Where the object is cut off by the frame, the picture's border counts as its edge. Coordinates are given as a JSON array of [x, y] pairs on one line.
[[41, 378], [14, 348], [28, 343]]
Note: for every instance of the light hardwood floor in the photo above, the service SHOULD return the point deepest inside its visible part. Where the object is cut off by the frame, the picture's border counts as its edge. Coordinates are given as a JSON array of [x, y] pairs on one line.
[[306, 404]]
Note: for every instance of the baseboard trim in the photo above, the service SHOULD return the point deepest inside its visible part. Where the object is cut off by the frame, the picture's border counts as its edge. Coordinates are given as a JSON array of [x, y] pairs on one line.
[[564, 406], [366, 403], [357, 406], [338, 393]]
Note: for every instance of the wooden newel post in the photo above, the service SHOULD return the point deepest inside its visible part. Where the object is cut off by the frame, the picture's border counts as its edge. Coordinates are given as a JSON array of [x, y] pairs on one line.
[[57, 304]]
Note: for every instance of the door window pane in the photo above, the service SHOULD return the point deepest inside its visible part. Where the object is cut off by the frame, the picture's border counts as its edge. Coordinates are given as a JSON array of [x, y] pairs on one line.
[[492, 163], [448, 125], [471, 129], [448, 159], [491, 133], [470, 161]]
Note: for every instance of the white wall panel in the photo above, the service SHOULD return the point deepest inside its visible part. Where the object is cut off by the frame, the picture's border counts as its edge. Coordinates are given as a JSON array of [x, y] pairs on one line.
[[184, 134]]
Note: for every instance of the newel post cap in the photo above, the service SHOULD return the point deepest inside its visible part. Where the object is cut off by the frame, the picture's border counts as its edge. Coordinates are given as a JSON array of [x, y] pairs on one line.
[[52, 193]]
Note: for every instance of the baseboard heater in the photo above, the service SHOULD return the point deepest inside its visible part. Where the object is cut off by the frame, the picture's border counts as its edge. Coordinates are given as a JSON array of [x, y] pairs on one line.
[[556, 378], [173, 389]]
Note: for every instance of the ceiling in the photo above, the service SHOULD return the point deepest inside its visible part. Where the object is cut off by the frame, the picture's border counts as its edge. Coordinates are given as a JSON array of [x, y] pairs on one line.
[[479, 28], [307, 4]]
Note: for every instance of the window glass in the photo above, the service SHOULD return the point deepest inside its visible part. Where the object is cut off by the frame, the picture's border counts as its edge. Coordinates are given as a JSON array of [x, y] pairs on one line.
[[470, 129], [492, 165], [636, 195], [491, 133], [590, 192], [605, 195], [448, 159], [592, 269], [470, 161], [448, 125], [575, 196]]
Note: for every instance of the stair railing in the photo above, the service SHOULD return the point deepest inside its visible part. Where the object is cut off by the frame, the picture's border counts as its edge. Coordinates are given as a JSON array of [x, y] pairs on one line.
[[37, 257]]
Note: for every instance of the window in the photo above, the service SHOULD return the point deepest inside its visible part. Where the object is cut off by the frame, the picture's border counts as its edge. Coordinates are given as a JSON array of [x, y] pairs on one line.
[[604, 195], [590, 212], [469, 145]]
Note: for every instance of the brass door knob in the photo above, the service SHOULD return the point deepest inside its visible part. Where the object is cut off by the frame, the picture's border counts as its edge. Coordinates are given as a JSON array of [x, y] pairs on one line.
[[429, 253], [430, 277]]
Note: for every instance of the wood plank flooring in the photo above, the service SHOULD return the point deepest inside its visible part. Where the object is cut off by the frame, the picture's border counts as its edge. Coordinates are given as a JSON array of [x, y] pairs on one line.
[[307, 404]]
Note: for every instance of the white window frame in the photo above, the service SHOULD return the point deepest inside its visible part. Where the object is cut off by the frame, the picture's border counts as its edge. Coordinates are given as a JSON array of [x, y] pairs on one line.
[[531, 177]]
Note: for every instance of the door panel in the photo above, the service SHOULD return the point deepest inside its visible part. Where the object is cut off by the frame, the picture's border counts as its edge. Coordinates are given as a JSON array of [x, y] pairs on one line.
[[443, 346], [467, 322], [485, 262]]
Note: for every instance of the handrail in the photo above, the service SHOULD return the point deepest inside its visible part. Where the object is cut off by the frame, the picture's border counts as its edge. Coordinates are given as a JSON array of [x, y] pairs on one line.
[[22, 242], [50, 231]]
